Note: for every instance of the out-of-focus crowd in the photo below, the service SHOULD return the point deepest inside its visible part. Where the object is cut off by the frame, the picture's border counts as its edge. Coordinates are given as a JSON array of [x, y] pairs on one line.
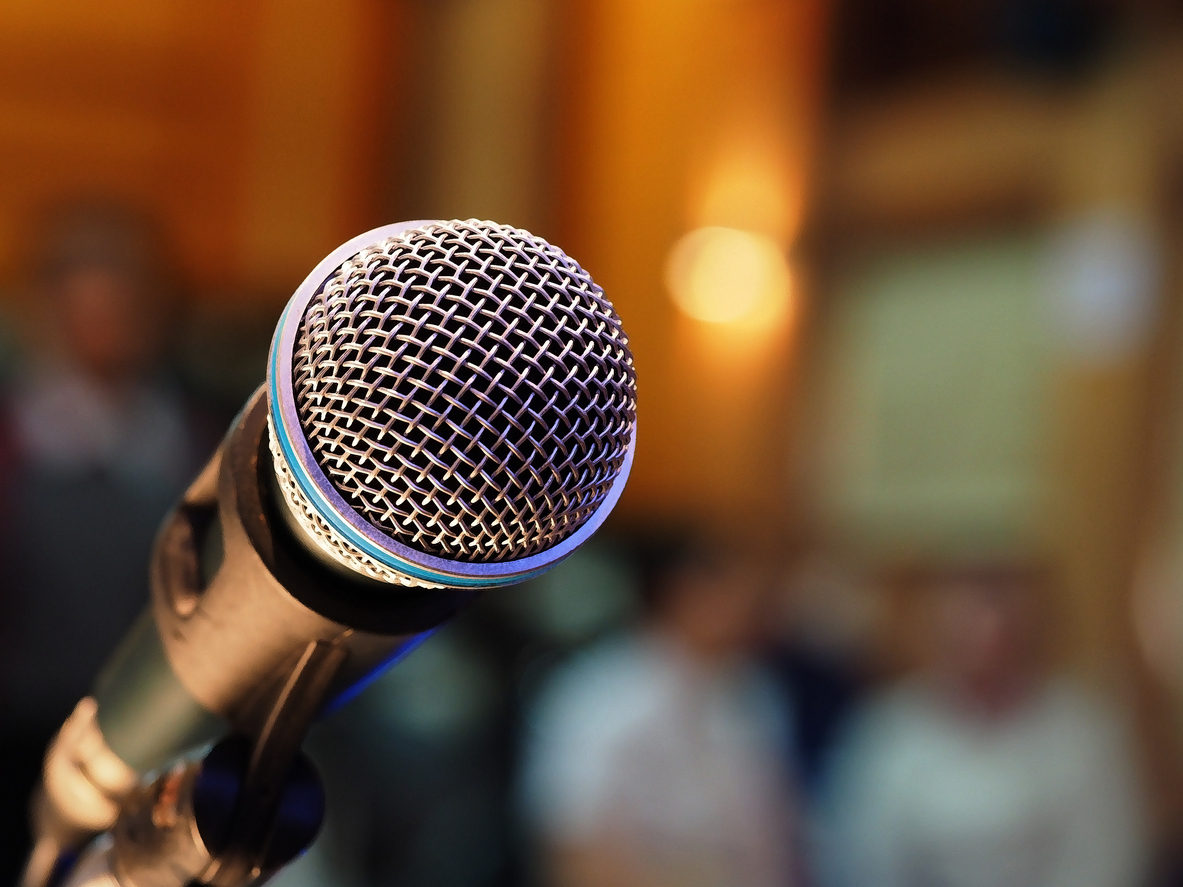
[[667, 708]]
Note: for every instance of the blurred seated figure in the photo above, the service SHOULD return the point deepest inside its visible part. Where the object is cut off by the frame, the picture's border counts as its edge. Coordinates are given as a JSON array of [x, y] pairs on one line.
[[655, 758], [826, 613], [986, 771], [97, 446]]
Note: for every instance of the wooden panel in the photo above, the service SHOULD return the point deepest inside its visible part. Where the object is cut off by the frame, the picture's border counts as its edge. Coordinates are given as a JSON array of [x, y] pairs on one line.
[[660, 95], [140, 102], [313, 177], [211, 113]]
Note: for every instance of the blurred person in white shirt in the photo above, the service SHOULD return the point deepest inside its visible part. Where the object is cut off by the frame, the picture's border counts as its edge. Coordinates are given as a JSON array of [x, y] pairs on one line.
[[657, 758], [986, 770]]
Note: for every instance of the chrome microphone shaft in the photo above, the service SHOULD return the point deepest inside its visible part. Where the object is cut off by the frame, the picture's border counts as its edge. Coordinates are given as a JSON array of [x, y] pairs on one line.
[[237, 603]]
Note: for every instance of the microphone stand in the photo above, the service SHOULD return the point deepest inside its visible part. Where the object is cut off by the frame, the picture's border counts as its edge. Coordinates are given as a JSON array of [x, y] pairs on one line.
[[257, 662], [233, 817]]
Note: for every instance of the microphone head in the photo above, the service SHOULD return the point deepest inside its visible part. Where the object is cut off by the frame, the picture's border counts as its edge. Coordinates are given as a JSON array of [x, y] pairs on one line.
[[450, 404]]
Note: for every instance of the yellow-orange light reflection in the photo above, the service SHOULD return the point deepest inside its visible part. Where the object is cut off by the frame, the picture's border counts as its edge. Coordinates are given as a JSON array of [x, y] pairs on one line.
[[725, 275]]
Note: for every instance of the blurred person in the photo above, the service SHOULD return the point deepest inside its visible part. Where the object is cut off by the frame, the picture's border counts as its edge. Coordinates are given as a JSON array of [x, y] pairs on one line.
[[97, 445], [986, 770], [655, 758], [826, 614]]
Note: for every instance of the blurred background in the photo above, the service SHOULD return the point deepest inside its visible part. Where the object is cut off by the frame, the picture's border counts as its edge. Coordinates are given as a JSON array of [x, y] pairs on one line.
[[895, 593]]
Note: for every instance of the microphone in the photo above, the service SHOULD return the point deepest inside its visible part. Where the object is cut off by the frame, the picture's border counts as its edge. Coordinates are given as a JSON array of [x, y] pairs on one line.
[[450, 406]]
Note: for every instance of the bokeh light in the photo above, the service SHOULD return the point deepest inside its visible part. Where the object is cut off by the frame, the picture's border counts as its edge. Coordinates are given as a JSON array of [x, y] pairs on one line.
[[725, 275]]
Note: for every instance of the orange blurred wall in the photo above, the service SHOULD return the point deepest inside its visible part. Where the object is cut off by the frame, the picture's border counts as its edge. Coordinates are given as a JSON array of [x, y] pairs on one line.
[[682, 113], [249, 127], [265, 133]]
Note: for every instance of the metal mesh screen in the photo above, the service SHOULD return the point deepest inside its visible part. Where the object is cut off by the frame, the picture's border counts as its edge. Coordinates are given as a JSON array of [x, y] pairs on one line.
[[468, 389]]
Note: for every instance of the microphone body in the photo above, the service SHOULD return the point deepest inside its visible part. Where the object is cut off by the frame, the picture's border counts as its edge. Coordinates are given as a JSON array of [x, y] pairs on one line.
[[450, 407], [238, 607], [217, 634]]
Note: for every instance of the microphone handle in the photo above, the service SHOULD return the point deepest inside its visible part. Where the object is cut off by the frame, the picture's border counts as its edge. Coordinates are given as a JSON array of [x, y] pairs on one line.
[[242, 617]]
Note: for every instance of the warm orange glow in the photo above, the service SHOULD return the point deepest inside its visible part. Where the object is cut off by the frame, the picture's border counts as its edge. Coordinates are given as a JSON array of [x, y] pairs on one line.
[[682, 116], [204, 113], [748, 184], [725, 275]]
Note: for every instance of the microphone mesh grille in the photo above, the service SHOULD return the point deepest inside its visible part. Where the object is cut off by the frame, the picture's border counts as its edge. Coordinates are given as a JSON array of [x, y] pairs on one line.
[[467, 389]]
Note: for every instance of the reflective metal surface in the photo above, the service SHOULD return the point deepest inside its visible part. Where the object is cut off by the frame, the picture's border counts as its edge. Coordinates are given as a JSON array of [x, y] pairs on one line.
[[462, 402]]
